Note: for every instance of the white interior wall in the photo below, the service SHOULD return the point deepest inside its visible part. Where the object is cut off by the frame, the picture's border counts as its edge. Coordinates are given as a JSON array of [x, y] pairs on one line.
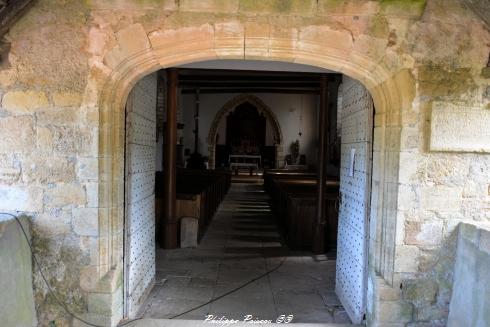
[[222, 132], [269, 133], [293, 111]]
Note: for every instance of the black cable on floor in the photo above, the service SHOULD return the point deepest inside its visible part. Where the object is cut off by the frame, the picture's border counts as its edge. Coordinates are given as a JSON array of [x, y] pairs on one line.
[[63, 305], [233, 290]]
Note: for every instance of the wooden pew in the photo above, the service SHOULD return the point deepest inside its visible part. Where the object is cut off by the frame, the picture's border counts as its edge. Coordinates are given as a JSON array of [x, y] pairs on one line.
[[271, 174], [294, 201], [212, 187], [199, 194]]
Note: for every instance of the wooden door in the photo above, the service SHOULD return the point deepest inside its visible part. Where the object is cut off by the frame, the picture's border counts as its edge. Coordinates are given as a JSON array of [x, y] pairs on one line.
[[139, 245], [355, 186]]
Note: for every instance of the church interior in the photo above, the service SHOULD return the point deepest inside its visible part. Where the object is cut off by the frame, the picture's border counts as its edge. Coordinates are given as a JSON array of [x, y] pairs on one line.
[[250, 229]]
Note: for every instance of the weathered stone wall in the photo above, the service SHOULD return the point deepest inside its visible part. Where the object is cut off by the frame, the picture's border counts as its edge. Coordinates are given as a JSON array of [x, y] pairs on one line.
[[72, 64], [441, 186], [49, 150]]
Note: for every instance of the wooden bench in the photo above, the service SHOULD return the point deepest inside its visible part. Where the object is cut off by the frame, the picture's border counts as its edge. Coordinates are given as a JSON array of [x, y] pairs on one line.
[[271, 174], [199, 194], [294, 198]]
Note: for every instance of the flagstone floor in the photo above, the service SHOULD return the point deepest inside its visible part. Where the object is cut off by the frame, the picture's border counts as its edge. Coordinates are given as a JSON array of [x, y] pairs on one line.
[[242, 244]]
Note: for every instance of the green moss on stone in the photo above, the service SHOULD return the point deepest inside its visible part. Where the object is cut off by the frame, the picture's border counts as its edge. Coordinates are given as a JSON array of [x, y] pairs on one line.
[[485, 72], [403, 3], [403, 7], [379, 26], [177, 19], [406, 312], [420, 290], [61, 259], [277, 6], [151, 2], [486, 93], [437, 81]]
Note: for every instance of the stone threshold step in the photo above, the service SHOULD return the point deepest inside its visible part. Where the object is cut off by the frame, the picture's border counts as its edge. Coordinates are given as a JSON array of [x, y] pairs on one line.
[[199, 323]]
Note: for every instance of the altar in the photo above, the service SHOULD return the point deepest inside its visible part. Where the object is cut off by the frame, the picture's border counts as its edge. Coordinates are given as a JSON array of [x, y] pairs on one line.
[[251, 162]]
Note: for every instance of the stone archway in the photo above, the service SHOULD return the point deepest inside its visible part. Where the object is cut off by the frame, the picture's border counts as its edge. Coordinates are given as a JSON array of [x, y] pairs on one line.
[[390, 86], [262, 108]]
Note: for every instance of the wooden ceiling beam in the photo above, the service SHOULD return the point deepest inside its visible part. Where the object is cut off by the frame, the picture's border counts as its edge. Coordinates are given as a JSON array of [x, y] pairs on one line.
[[250, 90], [195, 73], [237, 84]]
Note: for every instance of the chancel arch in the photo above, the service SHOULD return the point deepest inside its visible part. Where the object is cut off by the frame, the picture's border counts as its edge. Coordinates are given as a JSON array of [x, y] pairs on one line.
[[262, 109]]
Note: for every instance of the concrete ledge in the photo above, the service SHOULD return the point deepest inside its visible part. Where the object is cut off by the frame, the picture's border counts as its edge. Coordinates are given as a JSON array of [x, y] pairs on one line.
[[470, 302], [16, 295]]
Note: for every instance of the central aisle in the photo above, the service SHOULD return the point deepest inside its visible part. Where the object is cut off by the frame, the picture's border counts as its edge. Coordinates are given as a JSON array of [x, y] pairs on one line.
[[242, 243]]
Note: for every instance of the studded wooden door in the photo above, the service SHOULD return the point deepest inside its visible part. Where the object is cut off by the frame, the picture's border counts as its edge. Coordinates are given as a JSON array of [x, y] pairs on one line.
[[355, 185], [139, 258]]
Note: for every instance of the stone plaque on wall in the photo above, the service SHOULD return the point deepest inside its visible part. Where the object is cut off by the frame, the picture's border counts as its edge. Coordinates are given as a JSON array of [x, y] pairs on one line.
[[457, 128]]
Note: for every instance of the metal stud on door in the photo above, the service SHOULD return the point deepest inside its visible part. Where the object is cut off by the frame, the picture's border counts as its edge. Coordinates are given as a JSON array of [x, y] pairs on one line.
[[139, 255], [355, 177]]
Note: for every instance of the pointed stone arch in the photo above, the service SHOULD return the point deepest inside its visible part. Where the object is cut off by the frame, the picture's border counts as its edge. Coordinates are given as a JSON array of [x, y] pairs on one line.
[[230, 106]]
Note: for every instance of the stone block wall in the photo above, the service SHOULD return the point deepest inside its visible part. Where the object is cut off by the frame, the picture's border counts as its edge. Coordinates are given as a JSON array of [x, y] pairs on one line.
[[72, 64]]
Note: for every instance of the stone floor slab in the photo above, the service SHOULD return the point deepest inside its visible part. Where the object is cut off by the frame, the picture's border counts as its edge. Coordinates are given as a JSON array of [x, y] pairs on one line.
[[243, 243]]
